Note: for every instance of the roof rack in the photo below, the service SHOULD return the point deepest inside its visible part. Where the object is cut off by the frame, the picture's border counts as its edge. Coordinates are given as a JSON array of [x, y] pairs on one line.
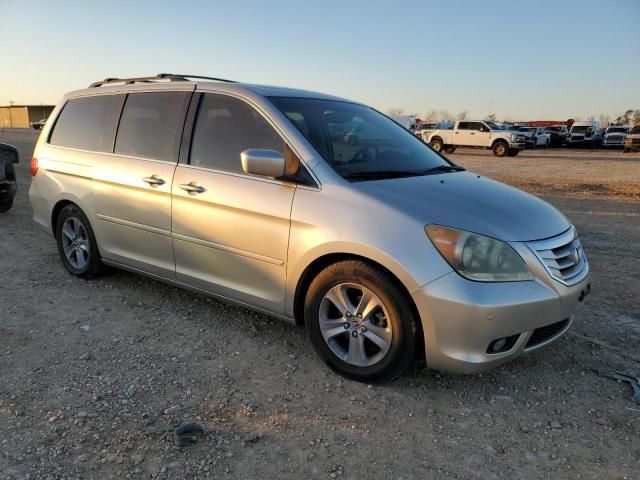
[[172, 77]]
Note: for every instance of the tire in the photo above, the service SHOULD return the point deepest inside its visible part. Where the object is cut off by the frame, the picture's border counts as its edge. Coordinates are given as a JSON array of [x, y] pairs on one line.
[[449, 149], [343, 339], [626, 150], [513, 153], [437, 145], [75, 236], [6, 205], [500, 149]]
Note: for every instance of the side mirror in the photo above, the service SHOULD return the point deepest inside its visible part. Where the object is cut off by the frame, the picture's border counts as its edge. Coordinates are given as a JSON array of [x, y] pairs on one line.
[[266, 163]]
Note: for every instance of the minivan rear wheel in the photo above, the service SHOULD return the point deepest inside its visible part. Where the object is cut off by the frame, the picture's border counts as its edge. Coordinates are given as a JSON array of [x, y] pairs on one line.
[[77, 243], [360, 323]]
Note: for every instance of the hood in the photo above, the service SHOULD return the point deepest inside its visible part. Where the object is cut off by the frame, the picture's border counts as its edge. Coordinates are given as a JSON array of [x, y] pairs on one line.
[[470, 202], [613, 134]]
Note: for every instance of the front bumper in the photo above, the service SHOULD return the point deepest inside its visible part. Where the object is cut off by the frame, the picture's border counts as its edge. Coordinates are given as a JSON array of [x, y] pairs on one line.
[[462, 318], [517, 145]]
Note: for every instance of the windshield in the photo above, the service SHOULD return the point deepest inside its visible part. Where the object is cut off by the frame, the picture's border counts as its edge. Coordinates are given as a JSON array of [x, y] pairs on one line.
[[358, 141], [493, 125], [527, 129], [584, 129], [616, 130]]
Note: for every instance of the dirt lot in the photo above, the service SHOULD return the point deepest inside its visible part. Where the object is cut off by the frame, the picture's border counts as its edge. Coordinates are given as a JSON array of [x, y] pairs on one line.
[[95, 374]]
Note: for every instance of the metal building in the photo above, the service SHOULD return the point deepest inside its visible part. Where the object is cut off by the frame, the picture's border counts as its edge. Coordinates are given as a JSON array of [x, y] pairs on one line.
[[21, 116]]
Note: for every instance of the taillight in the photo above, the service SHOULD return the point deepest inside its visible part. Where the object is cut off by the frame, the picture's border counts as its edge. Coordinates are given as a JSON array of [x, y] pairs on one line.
[[34, 166]]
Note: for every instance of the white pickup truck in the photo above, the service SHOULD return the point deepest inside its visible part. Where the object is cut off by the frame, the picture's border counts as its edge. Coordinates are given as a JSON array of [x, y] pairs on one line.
[[478, 134]]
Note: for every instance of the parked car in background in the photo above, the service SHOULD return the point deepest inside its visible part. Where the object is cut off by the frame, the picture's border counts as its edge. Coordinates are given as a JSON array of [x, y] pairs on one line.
[[478, 134], [615, 136], [382, 249], [558, 135], [632, 142], [425, 128], [585, 134], [39, 125], [536, 136], [407, 121], [8, 186]]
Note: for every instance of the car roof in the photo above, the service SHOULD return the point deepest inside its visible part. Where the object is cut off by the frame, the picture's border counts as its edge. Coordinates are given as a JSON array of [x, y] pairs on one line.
[[231, 87]]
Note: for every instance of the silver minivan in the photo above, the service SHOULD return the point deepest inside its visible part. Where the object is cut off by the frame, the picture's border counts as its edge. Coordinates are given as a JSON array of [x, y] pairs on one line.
[[308, 207]]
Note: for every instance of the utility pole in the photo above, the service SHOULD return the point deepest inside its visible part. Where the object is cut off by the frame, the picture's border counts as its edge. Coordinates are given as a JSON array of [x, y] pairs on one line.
[[11, 102]]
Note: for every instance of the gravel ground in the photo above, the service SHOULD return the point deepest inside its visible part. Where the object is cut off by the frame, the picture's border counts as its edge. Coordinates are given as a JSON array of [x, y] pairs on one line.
[[95, 374]]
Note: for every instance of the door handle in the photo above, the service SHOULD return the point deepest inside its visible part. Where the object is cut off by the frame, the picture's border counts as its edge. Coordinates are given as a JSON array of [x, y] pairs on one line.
[[191, 187], [473, 133], [153, 180]]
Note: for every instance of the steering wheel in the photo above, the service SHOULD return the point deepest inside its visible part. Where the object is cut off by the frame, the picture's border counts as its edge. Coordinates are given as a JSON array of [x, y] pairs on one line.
[[368, 152]]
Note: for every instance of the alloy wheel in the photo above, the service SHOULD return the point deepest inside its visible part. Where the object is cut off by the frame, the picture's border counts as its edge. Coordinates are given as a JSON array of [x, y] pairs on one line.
[[75, 243], [355, 324]]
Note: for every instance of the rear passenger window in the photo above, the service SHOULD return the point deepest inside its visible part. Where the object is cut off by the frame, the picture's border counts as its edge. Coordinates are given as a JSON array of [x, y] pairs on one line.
[[151, 125], [463, 125], [225, 127], [88, 123]]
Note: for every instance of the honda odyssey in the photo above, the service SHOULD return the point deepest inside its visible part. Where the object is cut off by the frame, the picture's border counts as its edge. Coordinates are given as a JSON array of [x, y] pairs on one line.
[[311, 208]]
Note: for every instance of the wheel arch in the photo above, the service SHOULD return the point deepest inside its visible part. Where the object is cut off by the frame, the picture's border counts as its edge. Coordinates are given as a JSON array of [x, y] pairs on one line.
[[499, 140], [322, 262], [59, 206]]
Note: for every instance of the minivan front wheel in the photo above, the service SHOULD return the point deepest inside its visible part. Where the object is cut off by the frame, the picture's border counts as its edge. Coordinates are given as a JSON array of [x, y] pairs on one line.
[[77, 244], [360, 323]]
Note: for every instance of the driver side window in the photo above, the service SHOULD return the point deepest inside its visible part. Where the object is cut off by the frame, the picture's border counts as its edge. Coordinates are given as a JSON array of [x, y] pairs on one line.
[[225, 127]]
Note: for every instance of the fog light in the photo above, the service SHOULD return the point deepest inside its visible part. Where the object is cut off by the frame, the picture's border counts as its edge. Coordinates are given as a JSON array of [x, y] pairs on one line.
[[500, 345]]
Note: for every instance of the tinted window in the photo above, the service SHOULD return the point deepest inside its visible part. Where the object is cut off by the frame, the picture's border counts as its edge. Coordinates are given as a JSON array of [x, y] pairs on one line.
[[464, 126], [151, 125], [225, 127], [476, 126], [88, 123]]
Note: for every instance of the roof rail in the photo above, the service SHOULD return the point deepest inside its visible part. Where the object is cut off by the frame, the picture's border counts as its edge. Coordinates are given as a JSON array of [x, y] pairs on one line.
[[172, 77]]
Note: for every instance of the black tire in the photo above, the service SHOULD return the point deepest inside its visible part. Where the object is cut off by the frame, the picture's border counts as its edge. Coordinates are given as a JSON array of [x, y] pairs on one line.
[[513, 153], [626, 150], [437, 144], [400, 318], [93, 265], [500, 149], [6, 205], [449, 149]]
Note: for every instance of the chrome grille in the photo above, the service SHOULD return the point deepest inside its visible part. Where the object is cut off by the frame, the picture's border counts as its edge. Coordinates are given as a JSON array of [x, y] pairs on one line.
[[614, 138], [562, 257]]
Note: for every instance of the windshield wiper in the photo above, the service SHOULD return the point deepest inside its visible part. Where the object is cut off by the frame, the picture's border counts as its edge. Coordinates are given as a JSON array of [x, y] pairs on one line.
[[378, 174], [443, 169], [371, 174]]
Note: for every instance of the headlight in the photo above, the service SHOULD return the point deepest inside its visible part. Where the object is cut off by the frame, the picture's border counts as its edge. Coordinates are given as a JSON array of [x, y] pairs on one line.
[[514, 137], [477, 257]]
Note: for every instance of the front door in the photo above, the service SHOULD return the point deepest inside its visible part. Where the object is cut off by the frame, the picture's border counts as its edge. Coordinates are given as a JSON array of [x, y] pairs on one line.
[[231, 230]]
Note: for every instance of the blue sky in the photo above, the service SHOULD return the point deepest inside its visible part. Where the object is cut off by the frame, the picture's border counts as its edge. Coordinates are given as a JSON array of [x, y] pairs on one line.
[[537, 59]]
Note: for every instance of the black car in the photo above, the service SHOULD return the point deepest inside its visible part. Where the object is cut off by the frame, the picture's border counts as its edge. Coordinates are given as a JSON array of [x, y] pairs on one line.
[[8, 186], [558, 134]]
